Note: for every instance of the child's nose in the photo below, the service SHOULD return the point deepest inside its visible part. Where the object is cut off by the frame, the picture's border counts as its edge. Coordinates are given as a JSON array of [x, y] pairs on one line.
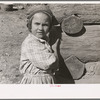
[[40, 27]]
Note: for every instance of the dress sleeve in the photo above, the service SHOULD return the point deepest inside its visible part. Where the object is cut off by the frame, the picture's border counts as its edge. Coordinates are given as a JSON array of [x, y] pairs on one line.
[[40, 58], [25, 64]]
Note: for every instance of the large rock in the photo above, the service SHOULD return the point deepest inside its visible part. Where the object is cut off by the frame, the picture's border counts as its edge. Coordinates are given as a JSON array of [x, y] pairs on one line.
[[75, 66], [93, 68]]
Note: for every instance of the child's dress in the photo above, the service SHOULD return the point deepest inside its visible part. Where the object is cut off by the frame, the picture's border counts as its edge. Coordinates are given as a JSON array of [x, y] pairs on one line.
[[38, 62]]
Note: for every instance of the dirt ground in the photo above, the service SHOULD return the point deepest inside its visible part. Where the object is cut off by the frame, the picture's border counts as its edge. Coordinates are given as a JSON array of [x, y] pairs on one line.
[[12, 32]]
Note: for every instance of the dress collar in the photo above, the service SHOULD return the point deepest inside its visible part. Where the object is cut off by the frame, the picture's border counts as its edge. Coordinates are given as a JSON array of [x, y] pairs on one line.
[[40, 40]]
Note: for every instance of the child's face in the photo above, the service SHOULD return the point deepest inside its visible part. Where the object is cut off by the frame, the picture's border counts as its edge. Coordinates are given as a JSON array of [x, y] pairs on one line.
[[40, 25]]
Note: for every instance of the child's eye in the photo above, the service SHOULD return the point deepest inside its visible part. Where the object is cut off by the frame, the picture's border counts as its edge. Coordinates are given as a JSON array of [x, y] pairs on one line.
[[37, 23], [45, 25]]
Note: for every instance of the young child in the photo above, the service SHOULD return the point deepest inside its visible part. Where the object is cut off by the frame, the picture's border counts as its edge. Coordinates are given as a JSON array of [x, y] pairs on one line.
[[39, 61]]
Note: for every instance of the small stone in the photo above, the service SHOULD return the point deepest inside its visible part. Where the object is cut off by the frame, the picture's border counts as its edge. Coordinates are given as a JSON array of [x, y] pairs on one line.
[[0, 70], [7, 54], [17, 75], [20, 32]]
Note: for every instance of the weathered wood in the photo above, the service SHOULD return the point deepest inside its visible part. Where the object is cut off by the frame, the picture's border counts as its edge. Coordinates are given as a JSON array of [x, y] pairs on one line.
[[72, 25]]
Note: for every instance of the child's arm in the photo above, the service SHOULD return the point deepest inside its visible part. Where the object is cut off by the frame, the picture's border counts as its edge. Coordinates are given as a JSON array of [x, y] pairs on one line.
[[41, 59]]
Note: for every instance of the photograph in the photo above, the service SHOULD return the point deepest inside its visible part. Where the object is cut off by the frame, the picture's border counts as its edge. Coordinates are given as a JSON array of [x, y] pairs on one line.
[[50, 45], [43, 43]]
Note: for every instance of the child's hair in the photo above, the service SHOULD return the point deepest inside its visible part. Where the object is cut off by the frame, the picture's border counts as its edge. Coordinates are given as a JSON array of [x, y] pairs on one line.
[[41, 8]]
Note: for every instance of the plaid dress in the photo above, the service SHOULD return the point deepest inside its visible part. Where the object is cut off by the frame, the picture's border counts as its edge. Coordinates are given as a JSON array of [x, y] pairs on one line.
[[38, 62]]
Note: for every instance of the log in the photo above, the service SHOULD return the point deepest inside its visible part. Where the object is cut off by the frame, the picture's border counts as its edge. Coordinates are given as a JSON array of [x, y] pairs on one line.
[[71, 25]]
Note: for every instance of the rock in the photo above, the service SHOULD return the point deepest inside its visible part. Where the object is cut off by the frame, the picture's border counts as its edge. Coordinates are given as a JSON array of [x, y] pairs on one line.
[[90, 67], [7, 7], [97, 71], [93, 68], [75, 66], [19, 7]]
